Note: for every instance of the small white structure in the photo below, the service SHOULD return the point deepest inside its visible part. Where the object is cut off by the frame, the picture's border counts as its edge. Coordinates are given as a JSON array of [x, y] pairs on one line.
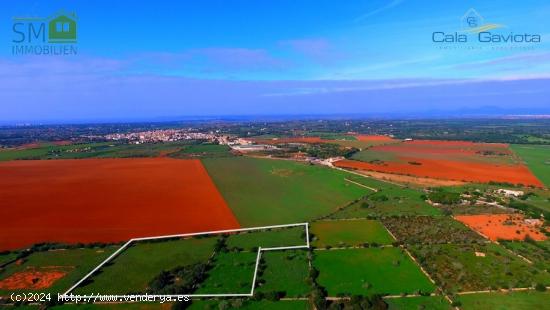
[[480, 254], [509, 192]]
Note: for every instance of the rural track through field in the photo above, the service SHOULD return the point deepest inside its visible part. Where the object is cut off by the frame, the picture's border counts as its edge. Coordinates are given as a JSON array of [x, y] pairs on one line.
[[362, 185]]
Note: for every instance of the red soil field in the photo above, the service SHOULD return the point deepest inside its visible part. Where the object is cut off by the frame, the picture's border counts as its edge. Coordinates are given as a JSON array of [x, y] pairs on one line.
[[451, 170], [106, 200], [502, 226], [373, 138], [31, 279]]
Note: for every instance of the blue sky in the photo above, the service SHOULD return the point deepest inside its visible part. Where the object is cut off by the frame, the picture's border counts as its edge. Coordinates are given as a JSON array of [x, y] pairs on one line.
[[180, 58]]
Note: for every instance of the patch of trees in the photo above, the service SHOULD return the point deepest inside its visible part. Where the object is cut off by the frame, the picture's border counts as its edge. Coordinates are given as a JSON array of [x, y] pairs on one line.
[[360, 302], [180, 280], [445, 197], [327, 150], [378, 197], [529, 209]]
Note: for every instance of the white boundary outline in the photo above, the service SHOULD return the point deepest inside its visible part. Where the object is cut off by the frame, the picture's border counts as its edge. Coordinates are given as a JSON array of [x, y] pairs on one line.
[[69, 295]]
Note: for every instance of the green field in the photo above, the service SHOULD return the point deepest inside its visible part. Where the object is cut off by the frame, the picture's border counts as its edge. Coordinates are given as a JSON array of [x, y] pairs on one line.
[[331, 135], [7, 257], [389, 200], [337, 233], [368, 271], [195, 305], [249, 304], [420, 302], [76, 262], [265, 191], [271, 238], [129, 306], [537, 158], [134, 268], [232, 273], [96, 150], [286, 271], [373, 156], [202, 151], [456, 268], [539, 199], [506, 301]]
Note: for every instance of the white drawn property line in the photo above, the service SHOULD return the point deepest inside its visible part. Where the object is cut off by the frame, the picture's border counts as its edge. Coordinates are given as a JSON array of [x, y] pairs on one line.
[[260, 249], [256, 270]]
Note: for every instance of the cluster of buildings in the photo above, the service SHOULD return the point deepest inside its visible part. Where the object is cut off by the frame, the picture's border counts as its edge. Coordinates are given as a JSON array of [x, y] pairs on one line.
[[165, 135]]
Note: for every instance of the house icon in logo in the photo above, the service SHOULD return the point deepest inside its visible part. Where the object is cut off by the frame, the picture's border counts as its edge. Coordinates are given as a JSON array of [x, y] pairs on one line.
[[62, 28], [472, 19]]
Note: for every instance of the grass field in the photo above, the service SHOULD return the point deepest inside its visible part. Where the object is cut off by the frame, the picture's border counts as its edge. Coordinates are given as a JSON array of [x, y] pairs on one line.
[[349, 233], [249, 305], [420, 302], [95, 150], [367, 271], [76, 262], [134, 268], [129, 306], [231, 274], [537, 158], [540, 199], [7, 257], [506, 301], [285, 271], [389, 200], [265, 191], [271, 238], [202, 151], [456, 268]]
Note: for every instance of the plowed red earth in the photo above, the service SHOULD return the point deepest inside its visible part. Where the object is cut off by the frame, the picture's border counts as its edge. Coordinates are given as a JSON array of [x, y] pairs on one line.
[[449, 160], [502, 226], [373, 138], [33, 279], [451, 170], [106, 200]]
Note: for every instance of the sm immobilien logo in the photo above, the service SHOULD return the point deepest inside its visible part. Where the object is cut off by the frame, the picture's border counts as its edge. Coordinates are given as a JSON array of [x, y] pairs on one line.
[[54, 35]]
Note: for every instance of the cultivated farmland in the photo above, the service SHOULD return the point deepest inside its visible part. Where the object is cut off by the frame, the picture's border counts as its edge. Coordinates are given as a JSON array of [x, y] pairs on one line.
[[266, 191], [285, 272], [51, 271], [389, 200], [250, 241], [418, 302], [231, 274], [120, 198], [537, 158], [369, 270], [502, 226], [449, 160], [135, 267], [505, 301], [339, 233]]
